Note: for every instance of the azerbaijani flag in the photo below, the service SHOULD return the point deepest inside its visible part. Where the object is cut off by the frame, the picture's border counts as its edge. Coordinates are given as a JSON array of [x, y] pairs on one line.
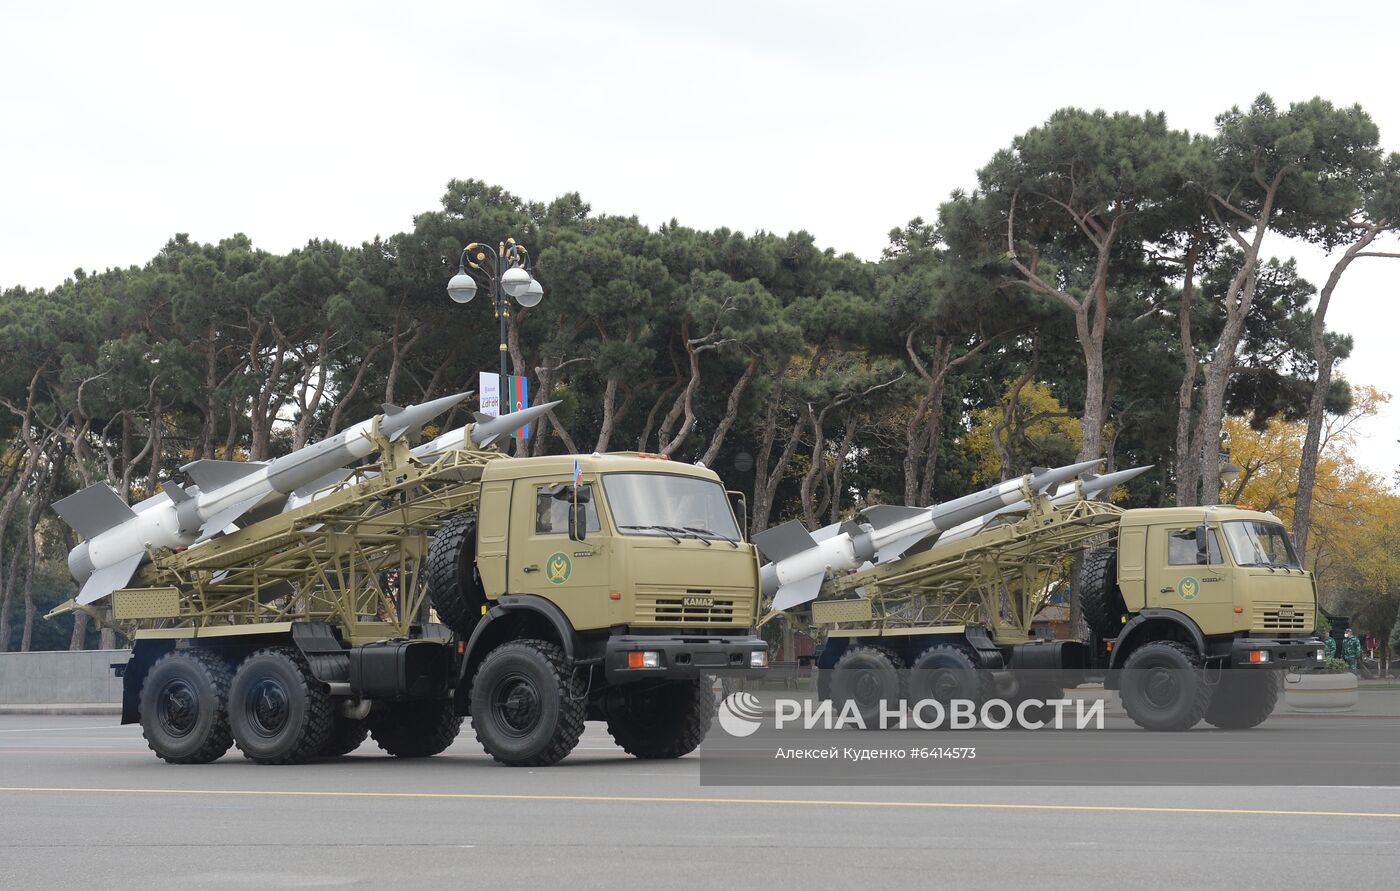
[[578, 472], [519, 400]]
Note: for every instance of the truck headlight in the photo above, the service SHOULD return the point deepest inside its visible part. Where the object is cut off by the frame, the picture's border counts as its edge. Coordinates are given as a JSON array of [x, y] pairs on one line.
[[758, 659], [1321, 654], [1258, 656], [643, 659]]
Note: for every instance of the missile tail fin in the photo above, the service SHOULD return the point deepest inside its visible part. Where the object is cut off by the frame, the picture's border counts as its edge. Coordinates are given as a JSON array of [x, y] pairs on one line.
[[797, 593], [94, 510], [212, 473], [390, 408], [108, 579], [784, 541]]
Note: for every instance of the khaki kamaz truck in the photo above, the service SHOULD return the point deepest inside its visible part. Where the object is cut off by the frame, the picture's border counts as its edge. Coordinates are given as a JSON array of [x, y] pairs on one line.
[[568, 589], [1194, 612]]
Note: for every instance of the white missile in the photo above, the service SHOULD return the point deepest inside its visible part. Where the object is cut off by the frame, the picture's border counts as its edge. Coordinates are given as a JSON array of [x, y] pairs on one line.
[[1086, 488], [119, 537], [484, 430], [800, 561]]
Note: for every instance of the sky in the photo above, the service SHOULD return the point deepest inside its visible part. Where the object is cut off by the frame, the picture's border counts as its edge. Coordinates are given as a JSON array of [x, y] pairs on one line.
[[124, 124]]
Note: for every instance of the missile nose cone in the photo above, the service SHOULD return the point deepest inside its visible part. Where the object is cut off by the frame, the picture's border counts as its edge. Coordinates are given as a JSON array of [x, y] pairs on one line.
[[1055, 475], [393, 424], [487, 430]]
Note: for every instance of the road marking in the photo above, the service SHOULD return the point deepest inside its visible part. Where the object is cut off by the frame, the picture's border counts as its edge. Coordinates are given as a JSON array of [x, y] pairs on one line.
[[682, 799]]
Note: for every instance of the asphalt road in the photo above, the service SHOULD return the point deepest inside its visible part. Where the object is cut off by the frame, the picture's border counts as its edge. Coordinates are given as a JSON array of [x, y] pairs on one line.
[[84, 804]]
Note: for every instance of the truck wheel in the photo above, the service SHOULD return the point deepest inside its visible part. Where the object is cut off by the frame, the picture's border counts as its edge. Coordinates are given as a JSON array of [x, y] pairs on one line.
[[945, 672], [454, 585], [279, 712], [665, 720], [1100, 601], [527, 704], [1163, 686], [1244, 698], [346, 736], [867, 676], [184, 707], [416, 729]]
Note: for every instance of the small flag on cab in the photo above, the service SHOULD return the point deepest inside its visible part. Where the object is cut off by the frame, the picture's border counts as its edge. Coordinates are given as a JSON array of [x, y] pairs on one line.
[[578, 472]]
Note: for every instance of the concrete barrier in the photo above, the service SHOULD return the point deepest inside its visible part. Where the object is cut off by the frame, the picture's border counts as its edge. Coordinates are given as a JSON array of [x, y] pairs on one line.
[[60, 678]]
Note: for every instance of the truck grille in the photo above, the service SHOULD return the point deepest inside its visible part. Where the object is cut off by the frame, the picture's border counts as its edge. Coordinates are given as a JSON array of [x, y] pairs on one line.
[[692, 606], [1282, 617]]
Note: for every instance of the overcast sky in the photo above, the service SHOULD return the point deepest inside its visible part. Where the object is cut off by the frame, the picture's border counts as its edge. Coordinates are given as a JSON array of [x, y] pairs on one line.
[[122, 124]]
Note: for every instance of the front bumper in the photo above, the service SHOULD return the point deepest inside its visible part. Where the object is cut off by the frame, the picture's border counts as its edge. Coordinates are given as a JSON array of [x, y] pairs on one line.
[[1285, 652], [681, 658]]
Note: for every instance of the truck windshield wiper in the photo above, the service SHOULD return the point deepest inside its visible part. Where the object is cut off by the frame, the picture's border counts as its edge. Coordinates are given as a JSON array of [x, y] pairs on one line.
[[702, 531], [669, 530]]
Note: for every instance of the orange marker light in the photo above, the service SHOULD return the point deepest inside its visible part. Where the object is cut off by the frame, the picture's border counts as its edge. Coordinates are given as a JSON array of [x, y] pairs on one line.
[[1238, 610], [634, 659], [614, 595]]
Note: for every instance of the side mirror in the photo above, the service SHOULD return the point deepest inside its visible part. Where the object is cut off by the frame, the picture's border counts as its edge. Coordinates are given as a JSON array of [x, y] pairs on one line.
[[740, 507], [578, 520], [1202, 544]]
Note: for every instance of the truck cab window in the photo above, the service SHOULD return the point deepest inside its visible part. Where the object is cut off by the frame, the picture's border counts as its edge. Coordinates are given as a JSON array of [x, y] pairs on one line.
[[1181, 548], [552, 515]]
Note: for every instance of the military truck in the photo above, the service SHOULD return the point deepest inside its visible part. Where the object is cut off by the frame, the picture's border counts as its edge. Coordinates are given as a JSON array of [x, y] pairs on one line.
[[568, 588], [1194, 612]]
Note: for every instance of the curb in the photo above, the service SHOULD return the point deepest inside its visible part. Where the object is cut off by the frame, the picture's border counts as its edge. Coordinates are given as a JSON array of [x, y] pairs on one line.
[[74, 708]]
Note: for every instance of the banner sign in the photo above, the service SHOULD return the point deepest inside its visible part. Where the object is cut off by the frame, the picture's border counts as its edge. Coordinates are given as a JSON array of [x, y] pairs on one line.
[[517, 398]]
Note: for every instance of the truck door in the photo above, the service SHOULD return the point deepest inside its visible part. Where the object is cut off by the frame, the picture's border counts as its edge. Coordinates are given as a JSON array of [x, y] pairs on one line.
[[544, 561], [1186, 580]]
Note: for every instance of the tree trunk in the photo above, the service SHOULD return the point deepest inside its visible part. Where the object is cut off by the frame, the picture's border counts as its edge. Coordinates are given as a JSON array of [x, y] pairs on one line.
[[1317, 404], [731, 413], [1186, 463]]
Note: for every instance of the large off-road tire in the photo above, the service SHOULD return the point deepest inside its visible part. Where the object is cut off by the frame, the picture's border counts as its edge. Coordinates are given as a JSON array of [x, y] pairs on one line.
[[945, 672], [1163, 686], [280, 713], [663, 720], [454, 585], [416, 729], [1243, 698], [347, 734], [868, 676], [528, 704], [1100, 601], [184, 707]]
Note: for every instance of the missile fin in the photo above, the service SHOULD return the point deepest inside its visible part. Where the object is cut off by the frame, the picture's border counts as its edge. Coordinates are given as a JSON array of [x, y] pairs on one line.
[[895, 549], [390, 408], [784, 541], [217, 523], [881, 515], [211, 473], [798, 592], [94, 510], [826, 532], [338, 475], [108, 579], [174, 492]]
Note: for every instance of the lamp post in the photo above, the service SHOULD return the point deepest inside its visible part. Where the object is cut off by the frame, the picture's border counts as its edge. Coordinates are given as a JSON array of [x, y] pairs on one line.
[[507, 270]]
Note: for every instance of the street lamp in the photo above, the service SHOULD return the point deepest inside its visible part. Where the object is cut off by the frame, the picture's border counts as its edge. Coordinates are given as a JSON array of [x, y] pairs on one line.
[[507, 270]]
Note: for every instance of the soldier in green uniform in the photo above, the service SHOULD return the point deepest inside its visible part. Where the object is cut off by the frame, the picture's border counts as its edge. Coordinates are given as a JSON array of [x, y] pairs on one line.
[[1351, 650], [1331, 647]]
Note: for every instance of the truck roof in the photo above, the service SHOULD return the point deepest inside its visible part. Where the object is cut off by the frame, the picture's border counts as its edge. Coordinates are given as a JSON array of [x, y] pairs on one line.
[[1192, 516], [609, 462]]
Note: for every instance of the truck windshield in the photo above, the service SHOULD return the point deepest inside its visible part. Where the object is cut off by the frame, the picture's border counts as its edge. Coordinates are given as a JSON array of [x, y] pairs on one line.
[[665, 504], [1254, 543]]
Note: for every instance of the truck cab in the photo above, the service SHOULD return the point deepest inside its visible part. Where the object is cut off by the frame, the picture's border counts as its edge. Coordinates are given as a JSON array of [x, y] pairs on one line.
[[1230, 572], [1197, 610], [629, 571]]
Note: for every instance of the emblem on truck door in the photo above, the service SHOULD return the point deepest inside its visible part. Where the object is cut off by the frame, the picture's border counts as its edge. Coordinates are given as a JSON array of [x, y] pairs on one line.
[[1188, 588], [558, 567]]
